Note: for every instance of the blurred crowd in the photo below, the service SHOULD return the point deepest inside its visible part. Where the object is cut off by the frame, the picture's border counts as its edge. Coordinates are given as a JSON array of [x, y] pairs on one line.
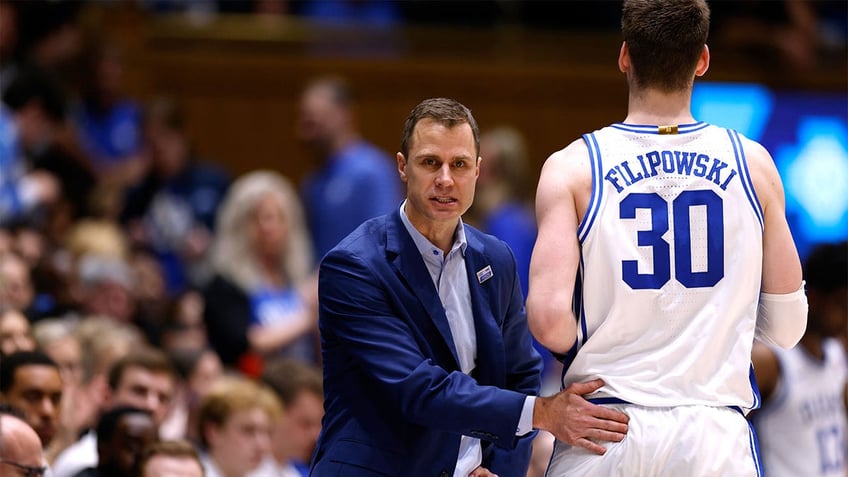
[[146, 293], [142, 282]]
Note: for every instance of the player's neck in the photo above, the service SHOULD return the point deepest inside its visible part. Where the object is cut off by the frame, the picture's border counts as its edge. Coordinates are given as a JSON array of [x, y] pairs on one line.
[[656, 107]]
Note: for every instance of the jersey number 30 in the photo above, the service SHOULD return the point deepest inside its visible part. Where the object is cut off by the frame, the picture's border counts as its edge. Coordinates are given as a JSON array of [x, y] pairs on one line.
[[681, 208]]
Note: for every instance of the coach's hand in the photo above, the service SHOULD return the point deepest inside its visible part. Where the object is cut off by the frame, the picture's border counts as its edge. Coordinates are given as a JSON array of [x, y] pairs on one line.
[[575, 421]]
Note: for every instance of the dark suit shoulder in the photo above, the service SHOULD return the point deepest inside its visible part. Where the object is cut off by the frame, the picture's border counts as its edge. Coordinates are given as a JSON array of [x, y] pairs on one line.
[[366, 237]]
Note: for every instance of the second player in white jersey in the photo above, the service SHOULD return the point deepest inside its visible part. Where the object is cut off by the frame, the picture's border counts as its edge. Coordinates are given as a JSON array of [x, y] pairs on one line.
[[802, 426]]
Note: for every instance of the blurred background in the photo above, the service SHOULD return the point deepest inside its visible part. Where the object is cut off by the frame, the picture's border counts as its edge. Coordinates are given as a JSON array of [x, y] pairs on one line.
[[171, 173], [547, 68]]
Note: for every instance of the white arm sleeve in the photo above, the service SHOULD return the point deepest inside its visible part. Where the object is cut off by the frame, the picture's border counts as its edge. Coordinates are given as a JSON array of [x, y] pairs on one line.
[[782, 319]]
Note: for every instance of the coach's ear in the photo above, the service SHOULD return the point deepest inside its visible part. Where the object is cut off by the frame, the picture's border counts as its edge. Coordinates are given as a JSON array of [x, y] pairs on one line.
[[401, 165]]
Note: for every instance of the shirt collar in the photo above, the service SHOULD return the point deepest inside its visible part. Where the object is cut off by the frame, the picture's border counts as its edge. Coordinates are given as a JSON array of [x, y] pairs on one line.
[[425, 246]]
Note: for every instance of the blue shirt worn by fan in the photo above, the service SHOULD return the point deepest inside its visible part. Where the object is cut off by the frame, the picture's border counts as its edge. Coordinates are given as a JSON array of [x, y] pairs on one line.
[[356, 184]]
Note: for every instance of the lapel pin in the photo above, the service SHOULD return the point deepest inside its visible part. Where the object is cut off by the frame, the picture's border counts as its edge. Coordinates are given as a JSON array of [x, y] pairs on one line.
[[484, 274]]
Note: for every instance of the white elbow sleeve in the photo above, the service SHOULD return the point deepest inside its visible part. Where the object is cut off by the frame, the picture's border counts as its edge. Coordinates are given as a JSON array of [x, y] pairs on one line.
[[782, 319]]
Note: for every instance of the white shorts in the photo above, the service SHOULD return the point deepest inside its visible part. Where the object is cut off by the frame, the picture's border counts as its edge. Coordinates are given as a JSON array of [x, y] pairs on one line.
[[684, 441]]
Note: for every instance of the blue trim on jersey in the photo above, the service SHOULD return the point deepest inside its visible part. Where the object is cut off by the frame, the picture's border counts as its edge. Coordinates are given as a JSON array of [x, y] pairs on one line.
[[654, 129], [756, 389], [597, 186], [742, 165], [754, 442], [608, 400], [577, 298], [580, 312]]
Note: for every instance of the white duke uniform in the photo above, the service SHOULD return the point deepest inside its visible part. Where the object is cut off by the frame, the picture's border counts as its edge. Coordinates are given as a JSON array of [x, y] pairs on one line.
[[666, 299], [802, 427]]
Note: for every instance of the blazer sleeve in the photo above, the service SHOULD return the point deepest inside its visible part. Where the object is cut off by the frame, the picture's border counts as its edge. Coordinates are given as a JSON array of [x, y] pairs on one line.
[[361, 308]]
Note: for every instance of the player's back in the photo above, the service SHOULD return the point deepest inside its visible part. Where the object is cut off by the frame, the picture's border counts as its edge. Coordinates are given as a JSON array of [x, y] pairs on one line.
[[671, 254]]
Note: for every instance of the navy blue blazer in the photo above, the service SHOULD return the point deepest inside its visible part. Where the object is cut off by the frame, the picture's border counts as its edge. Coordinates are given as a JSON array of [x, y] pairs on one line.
[[396, 402]]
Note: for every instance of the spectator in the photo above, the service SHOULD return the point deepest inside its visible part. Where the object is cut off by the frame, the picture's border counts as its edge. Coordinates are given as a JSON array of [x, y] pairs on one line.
[[30, 381], [20, 448], [199, 368], [55, 336], [16, 288], [355, 180], [300, 389], [108, 122], [38, 150], [234, 424], [184, 327], [503, 206], [262, 299], [32, 111], [172, 208], [144, 378], [123, 433], [15, 332], [103, 341], [170, 459]]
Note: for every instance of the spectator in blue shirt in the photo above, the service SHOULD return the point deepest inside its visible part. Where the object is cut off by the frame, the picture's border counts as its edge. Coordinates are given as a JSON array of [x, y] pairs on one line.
[[172, 208], [108, 121], [356, 180], [31, 113]]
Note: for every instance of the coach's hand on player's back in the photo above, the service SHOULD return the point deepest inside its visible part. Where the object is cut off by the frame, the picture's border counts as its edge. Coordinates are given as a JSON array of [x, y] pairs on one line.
[[575, 421]]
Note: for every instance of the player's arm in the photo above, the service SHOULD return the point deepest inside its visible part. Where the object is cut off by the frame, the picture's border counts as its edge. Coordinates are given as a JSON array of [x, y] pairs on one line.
[[782, 314], [556, 254], [766, 369]]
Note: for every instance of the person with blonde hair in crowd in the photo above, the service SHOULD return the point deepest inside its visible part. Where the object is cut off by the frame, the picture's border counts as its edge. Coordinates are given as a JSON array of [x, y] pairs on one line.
[[262, 299], [170, 458], [56, 336], [234, 424]]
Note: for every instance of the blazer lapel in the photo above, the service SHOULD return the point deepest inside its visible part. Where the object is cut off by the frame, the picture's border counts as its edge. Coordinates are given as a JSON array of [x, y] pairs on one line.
[[490, 365], [411, 268]]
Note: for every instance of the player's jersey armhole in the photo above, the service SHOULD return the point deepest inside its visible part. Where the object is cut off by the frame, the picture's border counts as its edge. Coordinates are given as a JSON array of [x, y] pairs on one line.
[[597, 186], [742, 167]]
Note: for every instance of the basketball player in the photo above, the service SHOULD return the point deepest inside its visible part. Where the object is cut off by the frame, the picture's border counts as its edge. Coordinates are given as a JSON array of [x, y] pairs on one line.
[[802, 423], [658, 237]]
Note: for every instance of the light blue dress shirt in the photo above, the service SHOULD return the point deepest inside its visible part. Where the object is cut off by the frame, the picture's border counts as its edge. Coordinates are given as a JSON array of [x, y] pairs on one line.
[[451, 280]]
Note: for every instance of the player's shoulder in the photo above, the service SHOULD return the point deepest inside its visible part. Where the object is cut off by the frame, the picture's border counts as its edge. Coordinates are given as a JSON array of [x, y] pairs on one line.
[[761, 167], [569, 165], [574, 150]]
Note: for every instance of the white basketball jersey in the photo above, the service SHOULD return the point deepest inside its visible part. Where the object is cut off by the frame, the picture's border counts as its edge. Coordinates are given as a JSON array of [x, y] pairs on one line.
[[802, 427], [671, 256]]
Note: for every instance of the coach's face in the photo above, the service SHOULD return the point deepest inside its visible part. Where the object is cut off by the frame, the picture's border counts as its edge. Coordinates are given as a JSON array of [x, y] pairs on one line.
[[440, 174]]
